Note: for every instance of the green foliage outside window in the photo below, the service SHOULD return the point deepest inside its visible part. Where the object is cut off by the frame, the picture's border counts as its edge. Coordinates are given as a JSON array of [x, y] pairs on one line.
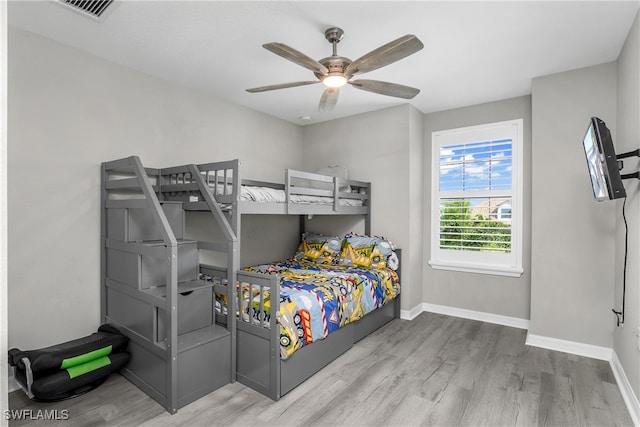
[[461, 230]]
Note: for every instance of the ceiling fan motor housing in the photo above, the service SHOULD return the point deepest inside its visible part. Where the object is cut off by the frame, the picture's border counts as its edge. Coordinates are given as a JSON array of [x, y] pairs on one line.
[[336, 66]]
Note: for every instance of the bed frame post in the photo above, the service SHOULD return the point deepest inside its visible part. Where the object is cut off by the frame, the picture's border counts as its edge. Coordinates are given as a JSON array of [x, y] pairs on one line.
[[232, 269], [274, 343], [171, 320], [103, 238], [287, 189], [233, 265], [367, 217], [159, 193], [399, 273]]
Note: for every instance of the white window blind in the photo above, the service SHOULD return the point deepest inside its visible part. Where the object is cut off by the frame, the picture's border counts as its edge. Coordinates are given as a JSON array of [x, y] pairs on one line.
[[474, 224], [476, 199], [476, 166]]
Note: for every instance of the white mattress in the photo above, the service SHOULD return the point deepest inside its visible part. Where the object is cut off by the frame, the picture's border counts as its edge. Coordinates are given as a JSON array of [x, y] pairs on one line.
[[272, 195]]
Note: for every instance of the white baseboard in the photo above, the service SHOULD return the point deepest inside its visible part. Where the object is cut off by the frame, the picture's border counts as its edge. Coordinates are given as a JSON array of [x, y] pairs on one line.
[[571, 347], [411, 314], [595, 352], [626, 390], [497, 319]]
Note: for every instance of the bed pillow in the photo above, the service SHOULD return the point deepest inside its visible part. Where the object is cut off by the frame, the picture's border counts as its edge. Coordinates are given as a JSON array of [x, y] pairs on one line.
[[319, 248], [371, 252]]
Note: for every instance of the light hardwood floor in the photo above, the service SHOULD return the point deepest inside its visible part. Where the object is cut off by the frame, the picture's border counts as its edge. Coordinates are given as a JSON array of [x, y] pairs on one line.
[[435, 370]]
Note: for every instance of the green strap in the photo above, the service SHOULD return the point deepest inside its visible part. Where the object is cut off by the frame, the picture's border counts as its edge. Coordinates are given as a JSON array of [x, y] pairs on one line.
[[76, 371], [87, 357]]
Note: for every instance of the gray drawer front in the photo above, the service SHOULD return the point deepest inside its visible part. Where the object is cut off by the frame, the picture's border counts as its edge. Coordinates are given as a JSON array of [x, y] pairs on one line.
[[143, 272], [195, 311], [138, 225]]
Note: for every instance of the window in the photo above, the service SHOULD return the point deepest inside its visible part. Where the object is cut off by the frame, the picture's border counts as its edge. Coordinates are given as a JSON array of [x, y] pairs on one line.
[[504, 213], [476, 216]]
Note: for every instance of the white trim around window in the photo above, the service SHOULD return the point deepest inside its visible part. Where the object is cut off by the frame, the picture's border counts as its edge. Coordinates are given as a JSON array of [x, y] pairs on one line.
[[475, 170]]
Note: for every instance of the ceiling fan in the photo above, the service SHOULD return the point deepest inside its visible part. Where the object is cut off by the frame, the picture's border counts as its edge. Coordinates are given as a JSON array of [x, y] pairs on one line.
[[336, 71]]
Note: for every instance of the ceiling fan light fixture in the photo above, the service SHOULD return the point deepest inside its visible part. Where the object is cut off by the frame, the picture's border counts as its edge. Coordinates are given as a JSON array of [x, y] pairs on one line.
[[335, 71], [337, 80]]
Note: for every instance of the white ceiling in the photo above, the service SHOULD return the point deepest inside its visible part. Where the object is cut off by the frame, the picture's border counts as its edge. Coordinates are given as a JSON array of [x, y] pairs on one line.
[[474, 51]]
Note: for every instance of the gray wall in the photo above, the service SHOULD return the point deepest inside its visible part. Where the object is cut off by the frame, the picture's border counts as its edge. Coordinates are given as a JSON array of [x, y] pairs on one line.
[[505, 296], [627, 139], [381, 147], [574, 240], [68, 112]]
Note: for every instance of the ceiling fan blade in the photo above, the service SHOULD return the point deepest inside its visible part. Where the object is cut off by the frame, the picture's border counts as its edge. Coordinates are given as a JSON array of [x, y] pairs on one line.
[[385, 55], [385, 88], [329, 99], [281, 86], [296, 57]]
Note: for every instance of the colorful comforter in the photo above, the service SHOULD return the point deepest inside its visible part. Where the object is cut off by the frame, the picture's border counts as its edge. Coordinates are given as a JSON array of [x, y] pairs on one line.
[[315, 300]]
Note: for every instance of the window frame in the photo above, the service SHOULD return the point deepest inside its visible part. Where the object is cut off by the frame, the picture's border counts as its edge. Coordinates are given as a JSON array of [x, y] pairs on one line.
[[474, 261]]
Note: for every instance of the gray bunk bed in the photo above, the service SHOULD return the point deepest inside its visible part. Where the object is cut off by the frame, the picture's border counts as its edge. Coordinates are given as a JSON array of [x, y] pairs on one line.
[[253, 352]]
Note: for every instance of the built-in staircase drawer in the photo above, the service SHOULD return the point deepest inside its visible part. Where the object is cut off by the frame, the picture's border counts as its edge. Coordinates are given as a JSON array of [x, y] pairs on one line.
[[195, 311], [138, 224], [144, 271]]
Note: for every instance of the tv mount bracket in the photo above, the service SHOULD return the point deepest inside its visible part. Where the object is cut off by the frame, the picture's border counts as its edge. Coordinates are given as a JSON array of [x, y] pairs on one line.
[[634, 153]]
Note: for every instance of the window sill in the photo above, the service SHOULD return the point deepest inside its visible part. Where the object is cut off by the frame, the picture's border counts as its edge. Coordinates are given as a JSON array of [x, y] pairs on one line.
[[496, 270]]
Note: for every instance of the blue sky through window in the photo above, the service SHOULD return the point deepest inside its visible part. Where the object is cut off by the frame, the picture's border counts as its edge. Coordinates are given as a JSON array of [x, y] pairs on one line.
[[476, 166]]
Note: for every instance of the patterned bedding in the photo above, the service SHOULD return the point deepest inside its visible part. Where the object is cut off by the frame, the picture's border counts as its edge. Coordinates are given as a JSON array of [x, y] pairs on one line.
[[315, 300]]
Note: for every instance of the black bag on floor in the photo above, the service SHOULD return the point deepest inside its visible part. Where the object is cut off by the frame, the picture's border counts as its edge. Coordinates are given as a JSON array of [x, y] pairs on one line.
[[71, 368]]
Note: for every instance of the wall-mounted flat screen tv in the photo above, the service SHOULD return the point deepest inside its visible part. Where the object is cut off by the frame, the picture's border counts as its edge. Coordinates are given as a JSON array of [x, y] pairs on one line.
[[603, 164]]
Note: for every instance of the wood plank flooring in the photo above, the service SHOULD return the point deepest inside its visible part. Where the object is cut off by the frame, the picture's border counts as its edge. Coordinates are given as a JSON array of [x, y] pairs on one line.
[[435, 371]]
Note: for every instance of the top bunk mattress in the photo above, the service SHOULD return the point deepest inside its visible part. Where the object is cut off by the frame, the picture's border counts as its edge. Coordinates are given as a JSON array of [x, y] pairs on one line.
[[274, 195]]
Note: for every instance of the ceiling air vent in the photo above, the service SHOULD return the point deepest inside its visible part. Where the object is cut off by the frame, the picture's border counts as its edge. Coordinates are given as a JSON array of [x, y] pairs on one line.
[[94, 9]]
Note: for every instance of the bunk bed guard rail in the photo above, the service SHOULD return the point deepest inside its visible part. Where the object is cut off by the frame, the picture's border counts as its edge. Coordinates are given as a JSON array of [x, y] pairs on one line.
[[342, 191], [302, 192]]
